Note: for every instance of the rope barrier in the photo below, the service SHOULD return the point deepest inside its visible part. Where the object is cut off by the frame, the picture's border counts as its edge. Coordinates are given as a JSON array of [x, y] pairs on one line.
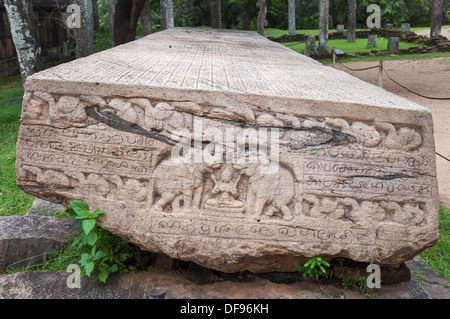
[[421, 95], [290, 45], [371, 67], [443, 156], [387, 74]]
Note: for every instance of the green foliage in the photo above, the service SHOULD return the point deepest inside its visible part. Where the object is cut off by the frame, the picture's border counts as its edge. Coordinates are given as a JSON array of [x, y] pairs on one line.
[[100, 252], [314, 267], [242, 14], [359, 282], [360, 45], [13, 201], [351, 280], [438, 256]]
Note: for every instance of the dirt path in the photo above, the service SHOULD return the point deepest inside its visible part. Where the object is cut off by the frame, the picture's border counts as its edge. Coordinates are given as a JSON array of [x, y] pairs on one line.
[[430, 77], [444, 31]]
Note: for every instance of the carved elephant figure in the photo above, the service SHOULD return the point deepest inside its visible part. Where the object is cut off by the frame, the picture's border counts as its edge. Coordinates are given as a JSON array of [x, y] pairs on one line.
[[172, 180], [276, 189]]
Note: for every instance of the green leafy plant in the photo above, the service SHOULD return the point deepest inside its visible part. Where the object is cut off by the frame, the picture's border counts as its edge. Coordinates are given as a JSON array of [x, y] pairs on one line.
[[314, 267], [358, 282], [101, 253], [352, 278]]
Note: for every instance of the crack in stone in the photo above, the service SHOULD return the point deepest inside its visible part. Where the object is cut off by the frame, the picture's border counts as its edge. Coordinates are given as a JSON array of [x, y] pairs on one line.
[[108, 115], [383, 177]]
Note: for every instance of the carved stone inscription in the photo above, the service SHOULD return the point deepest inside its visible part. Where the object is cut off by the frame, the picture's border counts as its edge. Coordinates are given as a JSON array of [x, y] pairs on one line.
[[339, 183], [201, 145]]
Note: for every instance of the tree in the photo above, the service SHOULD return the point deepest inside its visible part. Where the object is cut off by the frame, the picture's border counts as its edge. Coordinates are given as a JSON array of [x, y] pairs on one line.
[[437, 9], [291, 14], [146, 19], [85, 34], [351, 21], [95, 15], [166, 14], [126, 16], [111, 13], [260, 22], [323, 26], [24, 35], [216, 15]]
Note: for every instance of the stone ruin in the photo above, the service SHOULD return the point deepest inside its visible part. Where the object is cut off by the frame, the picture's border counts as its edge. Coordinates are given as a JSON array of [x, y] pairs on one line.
[[344, 168]]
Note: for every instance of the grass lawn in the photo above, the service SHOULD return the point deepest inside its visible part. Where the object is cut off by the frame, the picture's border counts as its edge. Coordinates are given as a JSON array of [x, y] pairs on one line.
[[275, 33], [13, 201], [438, 256], [391, 57], [360, 45]]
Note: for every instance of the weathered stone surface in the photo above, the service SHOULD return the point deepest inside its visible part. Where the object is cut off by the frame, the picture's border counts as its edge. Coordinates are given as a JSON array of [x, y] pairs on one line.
[[357, 166], [45, 208], [393, 44], [53, 285], [405, 27], [372, 40], [23, 237], [340, 28], [436, 285], [311, 43]]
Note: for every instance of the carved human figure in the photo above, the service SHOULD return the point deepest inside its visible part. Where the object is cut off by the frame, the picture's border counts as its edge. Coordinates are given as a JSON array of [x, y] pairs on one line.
[[225, 191]]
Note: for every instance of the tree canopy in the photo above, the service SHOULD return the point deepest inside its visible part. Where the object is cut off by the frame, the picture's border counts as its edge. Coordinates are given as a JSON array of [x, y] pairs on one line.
[[242, 14]]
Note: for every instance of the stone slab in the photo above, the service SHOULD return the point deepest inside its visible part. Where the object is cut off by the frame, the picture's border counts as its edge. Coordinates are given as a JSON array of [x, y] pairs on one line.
[[372, 40], [393, 44], [45, 208], [24, 237], [436, 285], [356, 175], [53, 285]]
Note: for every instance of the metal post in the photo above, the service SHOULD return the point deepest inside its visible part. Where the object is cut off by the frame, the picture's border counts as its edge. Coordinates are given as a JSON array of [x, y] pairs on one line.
[[380, 74]]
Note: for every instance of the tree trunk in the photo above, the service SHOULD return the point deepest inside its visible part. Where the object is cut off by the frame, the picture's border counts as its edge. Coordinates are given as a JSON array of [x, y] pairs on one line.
[[351, 21], [437, 10], [24, 35], [291, 14], [146, 19], [323, 26], [126, 16], [166, 14], [260, 22], [216, 15], [85, 34], [95, 15], [111, 13]]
